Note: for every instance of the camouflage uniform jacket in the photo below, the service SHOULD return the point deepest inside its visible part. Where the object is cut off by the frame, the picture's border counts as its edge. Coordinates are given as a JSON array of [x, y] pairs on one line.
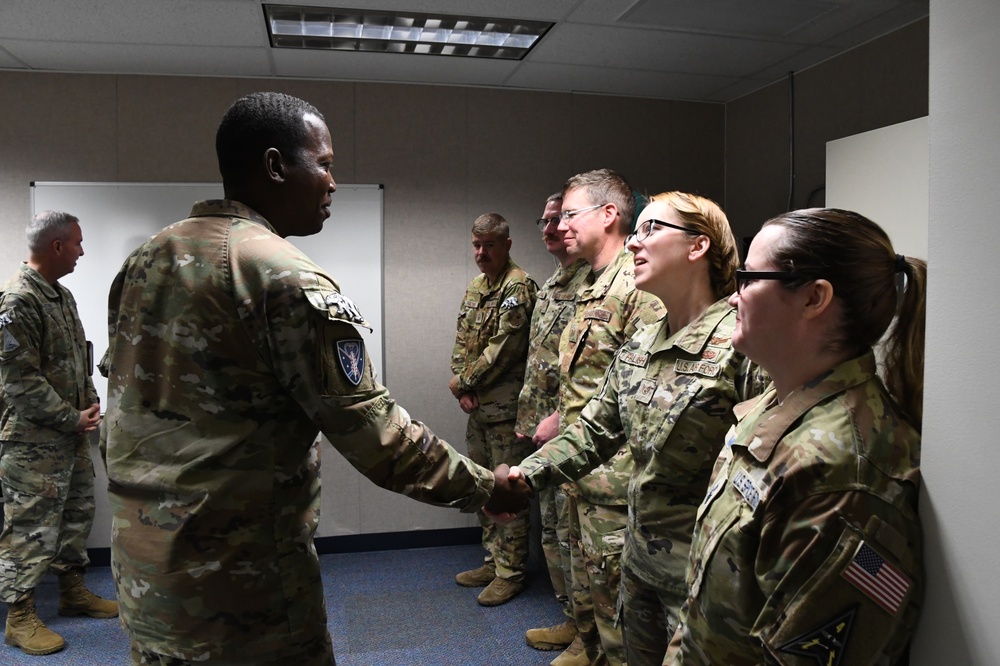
[[491, 345], [671, 398], [607, 314], [555, 305], [44, 360], [229, 352], [807, 547]]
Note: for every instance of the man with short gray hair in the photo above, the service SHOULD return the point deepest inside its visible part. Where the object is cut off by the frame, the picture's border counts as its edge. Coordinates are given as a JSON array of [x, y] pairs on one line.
[[50, 405], [491, 347]]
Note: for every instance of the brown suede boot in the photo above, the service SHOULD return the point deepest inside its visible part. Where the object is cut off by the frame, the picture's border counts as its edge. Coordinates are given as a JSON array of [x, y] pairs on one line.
[[478, 577], [26, 631], [552, 638], [76, 599]]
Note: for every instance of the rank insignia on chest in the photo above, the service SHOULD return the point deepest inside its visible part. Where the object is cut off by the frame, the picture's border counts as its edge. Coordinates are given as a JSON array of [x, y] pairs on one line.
[[479, 317], [351, 358], [644, 393]]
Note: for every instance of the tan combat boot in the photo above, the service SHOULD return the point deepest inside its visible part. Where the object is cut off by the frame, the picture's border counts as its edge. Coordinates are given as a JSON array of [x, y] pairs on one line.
[[499, 591], [574, 655], [26, 631], [552, 638], [76, 599], [479, 577]]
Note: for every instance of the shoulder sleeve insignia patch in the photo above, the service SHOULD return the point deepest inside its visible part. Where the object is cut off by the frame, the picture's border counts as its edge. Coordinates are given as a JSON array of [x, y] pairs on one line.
[[825, 644], [351, 358], [345, 307], [509, 302], [10, 343]]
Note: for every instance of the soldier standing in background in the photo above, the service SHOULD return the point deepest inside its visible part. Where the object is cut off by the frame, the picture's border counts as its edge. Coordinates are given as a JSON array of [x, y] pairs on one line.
[[488, 362], [540, 397], [598, 209], [49, 406]]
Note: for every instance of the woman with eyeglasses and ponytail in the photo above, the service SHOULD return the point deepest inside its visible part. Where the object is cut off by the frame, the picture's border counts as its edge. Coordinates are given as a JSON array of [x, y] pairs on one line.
[[670, 394], [807, 546]]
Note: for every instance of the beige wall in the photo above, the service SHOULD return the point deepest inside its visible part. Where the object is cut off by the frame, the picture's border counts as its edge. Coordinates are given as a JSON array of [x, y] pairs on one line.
[[880, 83], [444, 155]]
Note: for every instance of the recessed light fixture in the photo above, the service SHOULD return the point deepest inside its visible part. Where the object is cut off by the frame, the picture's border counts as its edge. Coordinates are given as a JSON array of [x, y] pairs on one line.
[[339, 29]]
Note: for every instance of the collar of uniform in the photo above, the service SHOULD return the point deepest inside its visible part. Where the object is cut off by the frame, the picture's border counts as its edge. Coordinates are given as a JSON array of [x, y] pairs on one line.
[[695, 336], [229, 208], [564, 276], [484, 287], [773, 420], [50, 290], [623, 260]]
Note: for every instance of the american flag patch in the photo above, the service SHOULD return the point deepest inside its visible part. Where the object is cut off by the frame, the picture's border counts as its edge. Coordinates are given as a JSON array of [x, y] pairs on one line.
[[881, 581]]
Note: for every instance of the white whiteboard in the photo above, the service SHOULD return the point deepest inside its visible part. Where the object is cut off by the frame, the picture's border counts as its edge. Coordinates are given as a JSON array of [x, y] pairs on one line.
[[118, 217], [884, 175]]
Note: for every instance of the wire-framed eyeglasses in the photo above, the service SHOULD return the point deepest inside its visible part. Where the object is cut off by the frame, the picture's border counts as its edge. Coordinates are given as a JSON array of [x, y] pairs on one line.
[[570, 214], [648, 228], [743, 278], [543, 222]]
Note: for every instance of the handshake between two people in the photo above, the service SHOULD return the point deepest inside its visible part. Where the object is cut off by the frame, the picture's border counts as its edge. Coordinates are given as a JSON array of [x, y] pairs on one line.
[[511, 494]]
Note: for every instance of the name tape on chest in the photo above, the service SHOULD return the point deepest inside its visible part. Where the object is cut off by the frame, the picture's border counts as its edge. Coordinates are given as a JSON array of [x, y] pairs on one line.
[[598, 314], [747, 488], [703, 368], [633, 358]]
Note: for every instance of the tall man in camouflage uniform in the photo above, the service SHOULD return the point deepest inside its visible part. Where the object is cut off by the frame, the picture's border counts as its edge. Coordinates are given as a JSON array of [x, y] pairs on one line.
[[491, 348], [597, 213], [555, 306], [229, 352], [49, 406]]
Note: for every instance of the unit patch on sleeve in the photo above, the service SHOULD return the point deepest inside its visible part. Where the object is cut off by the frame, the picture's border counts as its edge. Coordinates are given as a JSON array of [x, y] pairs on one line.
[[825, 644], [351, 358], [345, 307], [508, 303]]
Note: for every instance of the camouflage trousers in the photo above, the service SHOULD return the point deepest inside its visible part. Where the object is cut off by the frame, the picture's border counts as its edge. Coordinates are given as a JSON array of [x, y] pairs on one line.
[[48, 495], [491, 444], [318, 653], [555, 542], [596, 540], [648, 619]]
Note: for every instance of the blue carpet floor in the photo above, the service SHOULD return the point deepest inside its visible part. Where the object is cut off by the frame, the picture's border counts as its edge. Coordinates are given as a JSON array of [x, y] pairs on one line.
[[386, 608]]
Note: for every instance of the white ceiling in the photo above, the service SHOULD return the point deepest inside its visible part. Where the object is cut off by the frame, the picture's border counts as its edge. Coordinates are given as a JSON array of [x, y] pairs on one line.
[[708, 50]]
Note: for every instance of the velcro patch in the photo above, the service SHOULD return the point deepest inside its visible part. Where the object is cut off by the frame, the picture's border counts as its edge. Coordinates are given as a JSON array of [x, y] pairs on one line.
[[638, 360], [645, 391], [825, 644], [345, 307], [703, 368], [351, 359], [602, 315], [10, 343], [509, 302], [747, 488]]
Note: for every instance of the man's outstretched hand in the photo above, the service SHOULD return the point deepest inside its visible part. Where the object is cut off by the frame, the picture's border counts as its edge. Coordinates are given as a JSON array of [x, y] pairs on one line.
[[511, 494]]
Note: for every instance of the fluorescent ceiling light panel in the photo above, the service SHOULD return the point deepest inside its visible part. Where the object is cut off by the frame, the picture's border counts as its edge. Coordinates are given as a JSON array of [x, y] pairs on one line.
[[401, 32]]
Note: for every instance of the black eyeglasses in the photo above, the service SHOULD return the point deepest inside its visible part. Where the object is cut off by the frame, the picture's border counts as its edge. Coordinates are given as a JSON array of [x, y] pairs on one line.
[[743, 278], [543, 222], [646, 229]]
